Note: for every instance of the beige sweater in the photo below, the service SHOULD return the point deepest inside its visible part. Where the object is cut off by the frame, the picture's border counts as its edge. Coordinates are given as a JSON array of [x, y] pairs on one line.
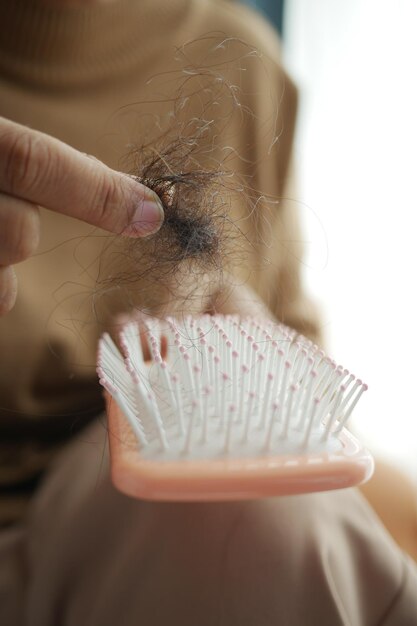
[[100, 78]]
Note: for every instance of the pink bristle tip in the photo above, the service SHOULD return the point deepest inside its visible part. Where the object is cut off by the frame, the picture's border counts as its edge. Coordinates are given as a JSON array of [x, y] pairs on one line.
[[245, 368], [235, 354], [108, 386], [270, 376]]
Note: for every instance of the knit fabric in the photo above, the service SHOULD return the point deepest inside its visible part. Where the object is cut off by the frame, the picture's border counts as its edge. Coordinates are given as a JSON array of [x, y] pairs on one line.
[[102, 77]]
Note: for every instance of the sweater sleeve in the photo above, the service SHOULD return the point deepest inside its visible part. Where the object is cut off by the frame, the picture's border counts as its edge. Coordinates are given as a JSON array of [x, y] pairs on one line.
[[281, 284], [270, 218]]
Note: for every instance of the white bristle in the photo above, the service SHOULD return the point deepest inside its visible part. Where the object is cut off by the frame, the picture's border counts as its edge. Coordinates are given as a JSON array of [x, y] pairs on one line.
[[228, 387]]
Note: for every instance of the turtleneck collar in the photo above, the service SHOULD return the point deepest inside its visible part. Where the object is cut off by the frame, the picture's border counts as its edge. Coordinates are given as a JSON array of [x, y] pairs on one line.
[[68, 45]]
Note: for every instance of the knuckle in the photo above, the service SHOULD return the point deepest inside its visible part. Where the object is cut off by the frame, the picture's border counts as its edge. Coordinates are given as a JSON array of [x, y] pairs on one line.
[[28, 159], [104, 203], [23, 235], [8, 289]]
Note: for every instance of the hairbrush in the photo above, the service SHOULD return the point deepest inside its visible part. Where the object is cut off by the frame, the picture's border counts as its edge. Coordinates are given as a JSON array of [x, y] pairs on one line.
[[235, 409]]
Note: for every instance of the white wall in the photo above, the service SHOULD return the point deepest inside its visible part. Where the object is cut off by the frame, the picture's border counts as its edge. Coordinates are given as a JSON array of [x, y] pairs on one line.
[[356, 66]]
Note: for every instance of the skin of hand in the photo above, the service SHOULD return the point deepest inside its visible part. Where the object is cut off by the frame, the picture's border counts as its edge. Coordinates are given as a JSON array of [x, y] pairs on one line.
[[38, 170]]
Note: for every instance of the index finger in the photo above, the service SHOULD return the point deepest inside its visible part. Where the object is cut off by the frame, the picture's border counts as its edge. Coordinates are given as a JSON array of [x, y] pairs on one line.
[[46, 171]]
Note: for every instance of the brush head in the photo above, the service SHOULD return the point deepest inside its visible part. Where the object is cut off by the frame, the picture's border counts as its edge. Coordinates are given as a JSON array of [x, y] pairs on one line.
[[238, 408]]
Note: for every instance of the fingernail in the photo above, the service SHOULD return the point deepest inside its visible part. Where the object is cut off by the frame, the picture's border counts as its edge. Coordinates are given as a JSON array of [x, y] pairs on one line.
[[147, 219]]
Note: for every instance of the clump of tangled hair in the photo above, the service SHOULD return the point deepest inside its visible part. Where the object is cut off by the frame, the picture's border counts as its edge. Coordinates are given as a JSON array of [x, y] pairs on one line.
[[181, 266], [184, 160], [193, 203]]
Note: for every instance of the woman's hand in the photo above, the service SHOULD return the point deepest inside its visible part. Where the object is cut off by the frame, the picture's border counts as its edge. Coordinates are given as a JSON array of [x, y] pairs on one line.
[[36, 169], [239, 299]]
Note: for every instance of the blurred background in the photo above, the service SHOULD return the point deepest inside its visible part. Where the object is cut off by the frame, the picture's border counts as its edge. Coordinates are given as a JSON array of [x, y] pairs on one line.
[[355, 66]]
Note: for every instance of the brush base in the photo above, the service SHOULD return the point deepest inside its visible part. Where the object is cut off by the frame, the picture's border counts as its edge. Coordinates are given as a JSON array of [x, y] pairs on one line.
[[231, 478]]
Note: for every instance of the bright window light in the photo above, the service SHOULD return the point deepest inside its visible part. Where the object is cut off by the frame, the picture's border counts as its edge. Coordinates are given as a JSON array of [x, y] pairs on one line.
[[355, 64]]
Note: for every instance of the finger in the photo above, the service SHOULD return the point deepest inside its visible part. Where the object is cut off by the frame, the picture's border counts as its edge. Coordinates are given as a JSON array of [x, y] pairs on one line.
[[8, 289], [45, 171], [19, 229]]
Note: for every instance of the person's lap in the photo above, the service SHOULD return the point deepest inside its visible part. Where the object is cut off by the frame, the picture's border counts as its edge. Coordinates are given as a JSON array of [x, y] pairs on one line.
[[90, 555]]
